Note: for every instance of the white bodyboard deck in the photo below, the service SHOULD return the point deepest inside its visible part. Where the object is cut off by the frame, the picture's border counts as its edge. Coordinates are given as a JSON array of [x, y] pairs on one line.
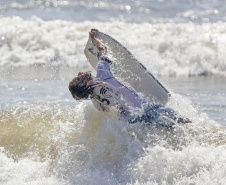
[[127, 67]]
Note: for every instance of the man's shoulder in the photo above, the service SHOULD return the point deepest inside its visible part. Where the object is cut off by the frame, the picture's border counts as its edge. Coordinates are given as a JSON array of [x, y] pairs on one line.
[[103, 87]]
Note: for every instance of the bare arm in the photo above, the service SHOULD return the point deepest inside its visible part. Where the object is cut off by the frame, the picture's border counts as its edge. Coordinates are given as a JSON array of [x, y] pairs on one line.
[[99, 105]]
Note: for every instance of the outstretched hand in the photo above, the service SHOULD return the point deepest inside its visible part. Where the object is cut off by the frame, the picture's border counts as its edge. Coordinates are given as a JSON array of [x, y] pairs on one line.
[[97, 42], [93, 33]]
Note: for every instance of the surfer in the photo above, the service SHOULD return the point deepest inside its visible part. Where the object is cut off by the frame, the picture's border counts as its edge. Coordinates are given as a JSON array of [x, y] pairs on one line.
[[105, 91]]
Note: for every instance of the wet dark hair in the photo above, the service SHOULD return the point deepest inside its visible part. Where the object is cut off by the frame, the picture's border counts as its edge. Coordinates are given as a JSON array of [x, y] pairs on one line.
[[79, 89]]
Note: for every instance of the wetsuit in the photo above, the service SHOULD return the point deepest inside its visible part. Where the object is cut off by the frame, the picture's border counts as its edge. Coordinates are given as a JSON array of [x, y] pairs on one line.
[[132, 107]]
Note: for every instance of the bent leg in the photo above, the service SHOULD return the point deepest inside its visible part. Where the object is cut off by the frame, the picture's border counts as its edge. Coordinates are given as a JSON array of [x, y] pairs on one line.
[[161, 116]]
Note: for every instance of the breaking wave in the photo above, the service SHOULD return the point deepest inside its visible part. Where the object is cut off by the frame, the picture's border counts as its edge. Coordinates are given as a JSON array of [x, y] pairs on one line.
[[170, 49]]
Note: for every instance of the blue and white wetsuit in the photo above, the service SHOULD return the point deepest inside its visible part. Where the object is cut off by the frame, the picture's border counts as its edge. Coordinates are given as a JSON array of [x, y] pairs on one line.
[[132, 107]]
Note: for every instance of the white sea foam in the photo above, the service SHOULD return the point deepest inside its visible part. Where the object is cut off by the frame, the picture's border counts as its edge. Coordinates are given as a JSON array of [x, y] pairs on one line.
[[165, 49], [24, 171], [80, 145]]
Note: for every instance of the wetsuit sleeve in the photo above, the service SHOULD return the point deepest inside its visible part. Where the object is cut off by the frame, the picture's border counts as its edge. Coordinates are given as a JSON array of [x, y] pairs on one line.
[[103, 68]]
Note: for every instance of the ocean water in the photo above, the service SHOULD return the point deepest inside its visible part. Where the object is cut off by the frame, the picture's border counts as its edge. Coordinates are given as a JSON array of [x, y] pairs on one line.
[[48, 138]]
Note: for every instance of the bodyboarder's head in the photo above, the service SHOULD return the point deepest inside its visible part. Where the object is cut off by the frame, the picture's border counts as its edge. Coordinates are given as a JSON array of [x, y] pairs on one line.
[[81, 86]]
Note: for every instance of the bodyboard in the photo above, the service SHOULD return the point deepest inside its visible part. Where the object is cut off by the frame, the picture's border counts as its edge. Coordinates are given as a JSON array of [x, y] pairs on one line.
[[128, 68]]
